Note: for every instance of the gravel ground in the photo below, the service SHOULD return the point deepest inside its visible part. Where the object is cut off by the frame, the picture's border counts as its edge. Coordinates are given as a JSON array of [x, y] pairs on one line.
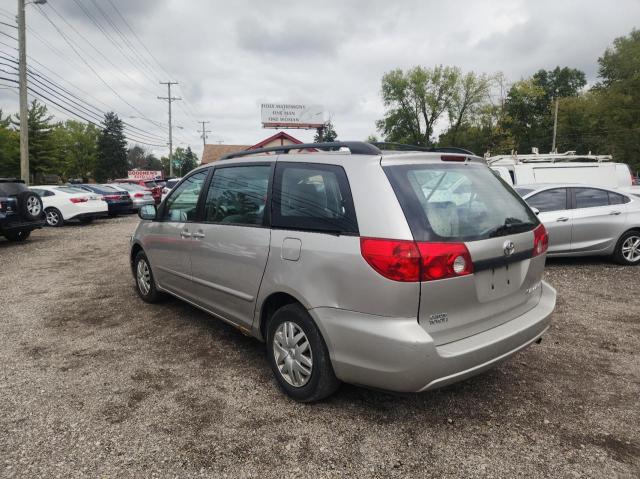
[[94, 382]]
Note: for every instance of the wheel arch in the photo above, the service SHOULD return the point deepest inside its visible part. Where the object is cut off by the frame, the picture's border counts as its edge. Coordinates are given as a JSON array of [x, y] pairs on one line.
[[270, 305], [135, 249]]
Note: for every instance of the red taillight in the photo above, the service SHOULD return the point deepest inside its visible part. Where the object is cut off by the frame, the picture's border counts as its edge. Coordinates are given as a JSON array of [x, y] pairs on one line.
[[409, 261], [79, 200], [540, 240], [138, 195], [453, 158], [444, 260], [393, 259]]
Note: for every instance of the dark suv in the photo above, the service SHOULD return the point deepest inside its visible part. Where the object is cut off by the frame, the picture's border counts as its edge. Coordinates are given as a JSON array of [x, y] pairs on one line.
[[21, 210]]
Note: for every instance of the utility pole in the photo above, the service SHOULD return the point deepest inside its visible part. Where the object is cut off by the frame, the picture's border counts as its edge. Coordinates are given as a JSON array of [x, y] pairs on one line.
[[555, 124], [204, 133], [170, 99], [24, 107]]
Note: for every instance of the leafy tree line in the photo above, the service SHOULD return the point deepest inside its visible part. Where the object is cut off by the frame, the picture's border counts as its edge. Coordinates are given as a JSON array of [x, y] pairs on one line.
[[74, 149], [483, 113]]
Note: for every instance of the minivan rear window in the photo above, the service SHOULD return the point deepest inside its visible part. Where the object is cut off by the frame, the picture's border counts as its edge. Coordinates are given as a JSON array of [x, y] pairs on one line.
[[458, 202]]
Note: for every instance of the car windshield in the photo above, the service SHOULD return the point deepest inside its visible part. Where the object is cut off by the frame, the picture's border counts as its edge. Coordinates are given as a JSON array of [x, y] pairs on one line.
[[458, 202]]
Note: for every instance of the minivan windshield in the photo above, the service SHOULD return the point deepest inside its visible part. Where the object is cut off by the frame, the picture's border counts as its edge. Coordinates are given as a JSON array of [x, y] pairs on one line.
[[458, 202]]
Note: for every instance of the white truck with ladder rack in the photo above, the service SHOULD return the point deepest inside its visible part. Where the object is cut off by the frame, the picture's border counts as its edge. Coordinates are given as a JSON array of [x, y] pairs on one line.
[[567, 167]]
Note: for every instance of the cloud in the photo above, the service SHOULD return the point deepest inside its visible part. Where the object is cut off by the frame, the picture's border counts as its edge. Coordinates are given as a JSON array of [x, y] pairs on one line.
[[231, 56]]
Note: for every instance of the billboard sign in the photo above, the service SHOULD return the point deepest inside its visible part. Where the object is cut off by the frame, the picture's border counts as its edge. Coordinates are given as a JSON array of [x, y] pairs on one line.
[[144, 175], [292, 115]]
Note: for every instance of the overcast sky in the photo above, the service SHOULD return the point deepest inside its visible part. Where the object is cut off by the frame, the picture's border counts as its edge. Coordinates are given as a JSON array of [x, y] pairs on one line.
[[230, 57]]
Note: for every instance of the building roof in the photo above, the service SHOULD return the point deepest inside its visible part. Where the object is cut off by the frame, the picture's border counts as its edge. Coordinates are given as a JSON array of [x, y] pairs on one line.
[[213, 153]]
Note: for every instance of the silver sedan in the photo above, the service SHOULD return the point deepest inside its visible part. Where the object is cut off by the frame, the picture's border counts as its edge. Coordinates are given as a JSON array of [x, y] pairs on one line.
[[585, 220], [139, 195]]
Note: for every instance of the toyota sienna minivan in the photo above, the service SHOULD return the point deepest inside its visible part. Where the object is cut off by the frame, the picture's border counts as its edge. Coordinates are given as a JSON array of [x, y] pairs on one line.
[[399, 270]]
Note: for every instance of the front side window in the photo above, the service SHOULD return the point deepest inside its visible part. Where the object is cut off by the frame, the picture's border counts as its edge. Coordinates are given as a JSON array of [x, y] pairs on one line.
[[313, 197], [549, 200], [458, 202], [591, 197], [182, 205], [238, 195]]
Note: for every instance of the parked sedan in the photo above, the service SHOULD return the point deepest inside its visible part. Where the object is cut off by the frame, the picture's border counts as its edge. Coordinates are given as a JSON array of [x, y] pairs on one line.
[[118, 201], [584, 220], [64, 203], [156, 190], [139, 194]]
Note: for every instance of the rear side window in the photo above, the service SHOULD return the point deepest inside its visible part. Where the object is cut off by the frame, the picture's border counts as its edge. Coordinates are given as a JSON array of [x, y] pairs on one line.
[[549, 200], [313, 197], [616, 199], [238, 195], [458, 202], [591, 197]]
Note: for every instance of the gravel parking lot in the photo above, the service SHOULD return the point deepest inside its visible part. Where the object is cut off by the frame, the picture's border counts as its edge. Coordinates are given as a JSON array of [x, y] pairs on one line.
[[94, 382]]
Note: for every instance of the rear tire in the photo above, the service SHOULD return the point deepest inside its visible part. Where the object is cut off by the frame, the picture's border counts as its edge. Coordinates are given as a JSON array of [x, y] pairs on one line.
[[145, 282], [298, 355], [54, 217], [17, 236], [627, 250]]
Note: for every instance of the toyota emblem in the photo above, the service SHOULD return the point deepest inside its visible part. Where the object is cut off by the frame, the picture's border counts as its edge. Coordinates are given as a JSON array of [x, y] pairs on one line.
[[508, 248]]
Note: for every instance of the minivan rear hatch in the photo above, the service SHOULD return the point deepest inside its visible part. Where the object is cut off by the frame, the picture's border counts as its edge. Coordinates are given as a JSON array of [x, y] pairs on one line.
[[480, 245]]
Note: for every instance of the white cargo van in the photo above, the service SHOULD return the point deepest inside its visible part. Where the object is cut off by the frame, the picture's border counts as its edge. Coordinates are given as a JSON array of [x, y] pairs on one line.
[[563, 168]]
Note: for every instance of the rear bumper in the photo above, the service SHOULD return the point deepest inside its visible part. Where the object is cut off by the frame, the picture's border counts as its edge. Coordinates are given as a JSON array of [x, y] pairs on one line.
[[18, 225], [396, 354], [139, 203], [119, 207]]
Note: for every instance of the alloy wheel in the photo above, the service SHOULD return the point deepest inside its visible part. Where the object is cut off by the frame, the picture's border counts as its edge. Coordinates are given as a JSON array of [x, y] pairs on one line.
[[52, 218], [143, 275], [631, 249], [292, 353]]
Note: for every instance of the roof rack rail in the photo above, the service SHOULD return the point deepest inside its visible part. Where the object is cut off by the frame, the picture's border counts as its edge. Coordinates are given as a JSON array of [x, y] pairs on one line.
[[387, 145], [355, 147]]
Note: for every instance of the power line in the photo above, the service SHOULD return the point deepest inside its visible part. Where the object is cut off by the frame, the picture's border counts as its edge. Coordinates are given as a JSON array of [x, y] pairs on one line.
[[88, 65], [93, 110]]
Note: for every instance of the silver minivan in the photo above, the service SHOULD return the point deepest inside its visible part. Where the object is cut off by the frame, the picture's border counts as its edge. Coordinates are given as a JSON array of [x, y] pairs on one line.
[[403, 271]]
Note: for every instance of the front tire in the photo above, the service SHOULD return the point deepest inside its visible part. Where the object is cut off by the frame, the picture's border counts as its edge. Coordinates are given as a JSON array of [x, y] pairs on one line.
[[145, 283], [298, 355], [627, 250], [54, 217]]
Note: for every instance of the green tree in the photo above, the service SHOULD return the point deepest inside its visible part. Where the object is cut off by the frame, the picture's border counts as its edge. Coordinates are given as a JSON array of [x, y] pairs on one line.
[[618, 98], [470, 94], [76, 146], [530, 105], [42, 152], [415, 101], [326, 133], [9, 148], [184, 160], [112, 149]]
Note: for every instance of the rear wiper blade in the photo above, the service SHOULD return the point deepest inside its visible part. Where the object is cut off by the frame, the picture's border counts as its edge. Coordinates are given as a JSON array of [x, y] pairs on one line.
[[513, 226]]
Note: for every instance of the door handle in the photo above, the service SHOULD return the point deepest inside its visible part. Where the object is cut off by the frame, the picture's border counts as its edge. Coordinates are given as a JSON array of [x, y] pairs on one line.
[[185, 234], [616, 213], [198, 234], [563, 219]]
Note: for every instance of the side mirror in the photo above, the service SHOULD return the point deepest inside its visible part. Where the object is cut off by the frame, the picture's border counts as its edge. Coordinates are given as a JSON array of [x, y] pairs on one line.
[[535, 210], [147, 212]]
